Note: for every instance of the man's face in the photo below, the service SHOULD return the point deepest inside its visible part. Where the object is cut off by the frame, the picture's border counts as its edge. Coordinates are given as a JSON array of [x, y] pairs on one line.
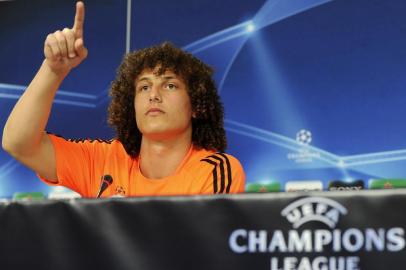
[[162, 105]]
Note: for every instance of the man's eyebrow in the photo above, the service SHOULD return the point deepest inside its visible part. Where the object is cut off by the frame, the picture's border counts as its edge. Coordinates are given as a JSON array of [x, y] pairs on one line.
[[164, 77], [169, 77], [142, 79]]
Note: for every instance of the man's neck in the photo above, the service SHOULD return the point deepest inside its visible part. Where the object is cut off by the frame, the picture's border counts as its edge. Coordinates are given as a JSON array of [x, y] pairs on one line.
[[161, 158]]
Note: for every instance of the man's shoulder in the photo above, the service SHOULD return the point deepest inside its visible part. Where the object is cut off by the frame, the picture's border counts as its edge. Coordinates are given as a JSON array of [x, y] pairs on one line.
[[95, 144], [219, 172], [208, 159]]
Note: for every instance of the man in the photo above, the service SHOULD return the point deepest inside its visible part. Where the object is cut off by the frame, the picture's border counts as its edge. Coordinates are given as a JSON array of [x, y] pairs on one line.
[[167, 115]]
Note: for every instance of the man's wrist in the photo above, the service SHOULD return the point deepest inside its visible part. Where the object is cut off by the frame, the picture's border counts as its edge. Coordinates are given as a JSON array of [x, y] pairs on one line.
[[58, 74]]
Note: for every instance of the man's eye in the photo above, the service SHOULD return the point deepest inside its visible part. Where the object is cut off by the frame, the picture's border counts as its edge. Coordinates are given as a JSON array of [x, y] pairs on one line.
[[143, 88], [171, 86]]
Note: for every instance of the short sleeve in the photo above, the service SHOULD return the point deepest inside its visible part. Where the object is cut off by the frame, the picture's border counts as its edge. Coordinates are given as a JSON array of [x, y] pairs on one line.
[[76, 162], [224, 174]]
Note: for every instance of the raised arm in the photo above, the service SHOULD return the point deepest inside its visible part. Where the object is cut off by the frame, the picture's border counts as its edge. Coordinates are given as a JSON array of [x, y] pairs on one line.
[[23, 135]]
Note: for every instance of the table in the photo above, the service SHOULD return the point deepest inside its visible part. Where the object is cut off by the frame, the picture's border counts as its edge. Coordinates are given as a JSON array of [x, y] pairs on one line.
[[270, 231]]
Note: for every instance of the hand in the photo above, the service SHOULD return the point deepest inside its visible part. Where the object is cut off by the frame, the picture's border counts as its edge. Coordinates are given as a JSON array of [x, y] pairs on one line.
[[65, 49]]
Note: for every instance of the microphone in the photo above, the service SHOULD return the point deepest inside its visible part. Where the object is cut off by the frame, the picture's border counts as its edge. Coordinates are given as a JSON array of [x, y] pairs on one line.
[[106, 181]]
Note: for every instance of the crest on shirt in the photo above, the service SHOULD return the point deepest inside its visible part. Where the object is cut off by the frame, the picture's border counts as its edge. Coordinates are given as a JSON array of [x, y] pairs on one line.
[[120, 191]]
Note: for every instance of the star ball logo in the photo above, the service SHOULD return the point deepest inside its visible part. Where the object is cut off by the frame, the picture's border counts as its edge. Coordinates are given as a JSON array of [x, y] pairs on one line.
[[311, 249], [304, 137], [304, 154]]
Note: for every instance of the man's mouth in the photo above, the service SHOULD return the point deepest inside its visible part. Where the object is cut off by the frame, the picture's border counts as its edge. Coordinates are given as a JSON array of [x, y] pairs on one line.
[[154, 111]]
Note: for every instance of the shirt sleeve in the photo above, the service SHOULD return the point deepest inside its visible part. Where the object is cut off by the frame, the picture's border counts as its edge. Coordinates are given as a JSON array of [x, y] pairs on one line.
[[76, 164], [224, 174]]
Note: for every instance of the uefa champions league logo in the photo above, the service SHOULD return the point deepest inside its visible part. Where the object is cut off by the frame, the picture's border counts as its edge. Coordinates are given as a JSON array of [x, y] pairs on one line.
[[304, 153], [304, 137], [316, 247], [319, 209]]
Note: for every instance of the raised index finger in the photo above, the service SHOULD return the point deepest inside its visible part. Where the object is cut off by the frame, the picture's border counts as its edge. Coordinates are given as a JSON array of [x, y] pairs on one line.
[[79, 19]]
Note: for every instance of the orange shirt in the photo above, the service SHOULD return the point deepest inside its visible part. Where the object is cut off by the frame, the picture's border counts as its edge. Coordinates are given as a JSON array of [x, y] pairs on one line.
[[80, 165]]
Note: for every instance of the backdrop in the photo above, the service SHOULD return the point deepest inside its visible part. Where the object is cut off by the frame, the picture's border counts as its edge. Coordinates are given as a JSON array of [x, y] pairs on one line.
[[313, 90]]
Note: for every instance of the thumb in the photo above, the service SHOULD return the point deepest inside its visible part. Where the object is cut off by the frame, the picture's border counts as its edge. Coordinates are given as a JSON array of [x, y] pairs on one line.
[[80, 48]]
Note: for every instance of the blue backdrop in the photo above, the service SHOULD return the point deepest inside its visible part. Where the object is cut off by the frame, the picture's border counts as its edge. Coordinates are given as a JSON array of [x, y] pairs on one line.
[[313, 89]]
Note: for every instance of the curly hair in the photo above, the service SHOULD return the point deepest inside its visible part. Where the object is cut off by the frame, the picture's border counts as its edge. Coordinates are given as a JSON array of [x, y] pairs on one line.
[[208, 121]]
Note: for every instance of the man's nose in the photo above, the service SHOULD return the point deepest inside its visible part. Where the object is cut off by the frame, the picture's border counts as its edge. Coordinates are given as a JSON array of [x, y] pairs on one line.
[[155, 94]]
